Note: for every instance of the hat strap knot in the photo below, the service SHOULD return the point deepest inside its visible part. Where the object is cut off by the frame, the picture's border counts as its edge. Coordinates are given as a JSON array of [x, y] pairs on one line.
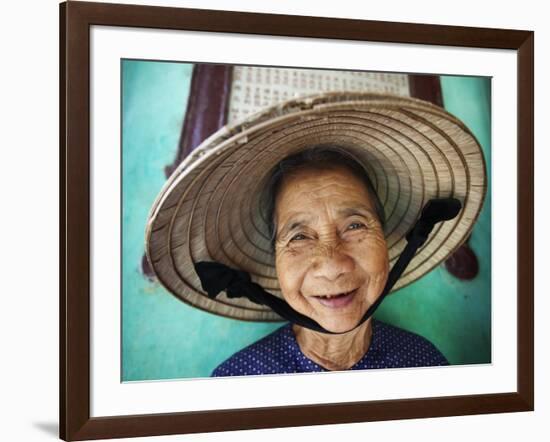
[[216, 277]]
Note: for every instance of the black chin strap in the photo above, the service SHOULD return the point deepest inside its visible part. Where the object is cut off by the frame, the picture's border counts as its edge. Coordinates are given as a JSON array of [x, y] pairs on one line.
[[216, 277]]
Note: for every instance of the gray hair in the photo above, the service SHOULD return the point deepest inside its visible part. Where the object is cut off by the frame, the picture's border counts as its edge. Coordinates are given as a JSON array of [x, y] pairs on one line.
[[316, 157]]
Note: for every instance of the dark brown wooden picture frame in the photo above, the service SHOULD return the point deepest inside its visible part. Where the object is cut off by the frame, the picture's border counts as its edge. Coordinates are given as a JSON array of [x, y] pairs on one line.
[[75, 21]]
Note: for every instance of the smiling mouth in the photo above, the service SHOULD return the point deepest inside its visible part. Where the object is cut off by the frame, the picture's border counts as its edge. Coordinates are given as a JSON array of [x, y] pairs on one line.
[[337, 300]]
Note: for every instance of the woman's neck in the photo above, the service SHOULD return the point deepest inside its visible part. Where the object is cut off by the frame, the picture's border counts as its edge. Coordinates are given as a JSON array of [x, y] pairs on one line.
[[334, 352]]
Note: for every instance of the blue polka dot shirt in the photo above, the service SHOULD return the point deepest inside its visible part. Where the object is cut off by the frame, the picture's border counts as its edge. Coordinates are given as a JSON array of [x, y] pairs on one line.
[[278, 353]]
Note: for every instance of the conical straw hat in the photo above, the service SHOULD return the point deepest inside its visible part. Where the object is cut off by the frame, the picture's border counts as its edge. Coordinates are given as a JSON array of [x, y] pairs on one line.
[[209, 209]]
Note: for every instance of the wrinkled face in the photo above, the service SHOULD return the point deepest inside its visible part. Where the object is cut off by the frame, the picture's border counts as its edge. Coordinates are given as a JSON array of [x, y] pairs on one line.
[[330, 252]]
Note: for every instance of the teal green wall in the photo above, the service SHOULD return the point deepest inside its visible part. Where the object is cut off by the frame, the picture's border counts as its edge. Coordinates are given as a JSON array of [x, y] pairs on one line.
[[163, 338]]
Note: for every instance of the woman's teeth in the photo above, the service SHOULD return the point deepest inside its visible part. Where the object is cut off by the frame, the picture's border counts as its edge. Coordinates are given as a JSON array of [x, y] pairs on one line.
[[336, 301], [333, 296]]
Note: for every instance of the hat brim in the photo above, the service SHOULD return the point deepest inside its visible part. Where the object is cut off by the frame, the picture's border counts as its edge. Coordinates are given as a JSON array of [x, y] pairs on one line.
[[209, 209]]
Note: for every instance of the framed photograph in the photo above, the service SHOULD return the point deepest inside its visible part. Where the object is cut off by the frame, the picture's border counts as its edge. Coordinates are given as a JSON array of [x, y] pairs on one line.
[[274, 220]]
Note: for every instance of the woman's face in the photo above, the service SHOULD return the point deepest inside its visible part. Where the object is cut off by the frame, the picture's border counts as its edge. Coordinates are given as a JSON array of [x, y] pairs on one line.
[[330, 251]]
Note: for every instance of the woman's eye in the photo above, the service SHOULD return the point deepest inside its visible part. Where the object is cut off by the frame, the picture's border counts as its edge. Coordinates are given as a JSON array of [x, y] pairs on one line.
[[298, 237], [355, 226]]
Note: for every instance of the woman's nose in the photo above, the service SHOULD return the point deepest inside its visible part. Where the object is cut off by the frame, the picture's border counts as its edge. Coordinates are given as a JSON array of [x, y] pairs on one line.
[[331, 263]]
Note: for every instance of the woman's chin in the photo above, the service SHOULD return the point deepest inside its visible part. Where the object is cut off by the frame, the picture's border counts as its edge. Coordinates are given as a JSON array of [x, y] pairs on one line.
[[338, 325]]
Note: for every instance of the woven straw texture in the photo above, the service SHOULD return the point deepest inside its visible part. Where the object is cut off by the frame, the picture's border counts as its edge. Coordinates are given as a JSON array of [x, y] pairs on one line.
[[209, 209]]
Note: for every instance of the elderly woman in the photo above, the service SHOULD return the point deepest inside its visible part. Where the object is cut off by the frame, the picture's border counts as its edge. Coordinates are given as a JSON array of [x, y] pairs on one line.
[[284, 203]]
